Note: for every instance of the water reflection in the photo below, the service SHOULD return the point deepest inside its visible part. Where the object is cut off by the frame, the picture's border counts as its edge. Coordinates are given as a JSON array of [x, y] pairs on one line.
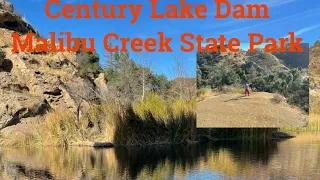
[[294, 158]]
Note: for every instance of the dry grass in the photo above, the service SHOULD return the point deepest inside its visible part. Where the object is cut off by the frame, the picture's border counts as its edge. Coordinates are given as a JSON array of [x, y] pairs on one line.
[[59, 129], [226, 89], [183, 107], [153, 121], [155, 105], [26, 139], [203, 93], [158, 121], [163, 110], [255, 111], [313, 125], [236, 90], [104, 120], [231, 89]]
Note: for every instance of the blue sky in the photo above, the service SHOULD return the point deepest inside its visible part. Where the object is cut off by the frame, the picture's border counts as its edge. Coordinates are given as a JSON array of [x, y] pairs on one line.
[[299, 16]]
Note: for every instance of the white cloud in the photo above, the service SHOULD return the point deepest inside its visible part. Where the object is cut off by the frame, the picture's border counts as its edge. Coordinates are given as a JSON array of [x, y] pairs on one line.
[[271, 3], [66, 1], [305, 30], [291, 17]]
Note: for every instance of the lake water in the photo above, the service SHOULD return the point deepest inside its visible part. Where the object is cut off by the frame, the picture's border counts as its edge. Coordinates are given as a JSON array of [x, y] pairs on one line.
[[297, 158]]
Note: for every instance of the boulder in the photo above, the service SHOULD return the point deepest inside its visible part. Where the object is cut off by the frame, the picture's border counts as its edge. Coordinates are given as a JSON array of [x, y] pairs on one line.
[[16, 106], [101, 84]]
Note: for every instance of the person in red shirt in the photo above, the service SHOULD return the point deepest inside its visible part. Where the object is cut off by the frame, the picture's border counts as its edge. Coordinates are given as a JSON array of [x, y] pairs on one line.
[[246, 89]]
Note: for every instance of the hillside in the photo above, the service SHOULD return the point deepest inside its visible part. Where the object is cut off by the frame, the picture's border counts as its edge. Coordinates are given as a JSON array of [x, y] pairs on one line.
[[295, 59], [265, 61], [315, 75], [260, 60], [32, 84], [267, 74], [255, 111]]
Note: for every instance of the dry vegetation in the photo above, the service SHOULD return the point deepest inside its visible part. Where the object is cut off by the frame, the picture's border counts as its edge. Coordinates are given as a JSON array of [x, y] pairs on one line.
[[153, 121], [259, 110], [277, 99]]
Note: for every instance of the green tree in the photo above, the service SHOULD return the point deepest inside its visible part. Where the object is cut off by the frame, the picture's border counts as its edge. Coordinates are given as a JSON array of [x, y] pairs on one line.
[[160, 84], [88, 63]]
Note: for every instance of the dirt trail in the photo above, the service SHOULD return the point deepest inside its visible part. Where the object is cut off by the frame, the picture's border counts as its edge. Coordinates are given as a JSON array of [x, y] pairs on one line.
[[256, 110]]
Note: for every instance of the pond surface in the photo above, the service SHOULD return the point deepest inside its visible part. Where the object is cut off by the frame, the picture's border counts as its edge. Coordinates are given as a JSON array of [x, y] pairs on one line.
[[297, 158]]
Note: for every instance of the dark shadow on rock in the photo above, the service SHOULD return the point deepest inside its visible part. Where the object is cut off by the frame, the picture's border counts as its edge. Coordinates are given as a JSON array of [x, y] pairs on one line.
[[5, 65], [38, 110]]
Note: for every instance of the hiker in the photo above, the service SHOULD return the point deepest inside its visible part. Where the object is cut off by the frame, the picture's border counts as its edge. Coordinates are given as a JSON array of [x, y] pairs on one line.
[[246, 89]]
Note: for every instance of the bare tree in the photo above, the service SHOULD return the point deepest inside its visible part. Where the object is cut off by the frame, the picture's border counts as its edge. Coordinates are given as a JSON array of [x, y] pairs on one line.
[[179, 74], [146, 66], [184, 85]]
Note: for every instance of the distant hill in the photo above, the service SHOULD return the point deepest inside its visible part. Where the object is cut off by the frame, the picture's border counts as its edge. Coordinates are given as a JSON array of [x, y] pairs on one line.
[[315, 75], [315, 66], [266, 61], [295, 59], [211, 64], [261, 60]]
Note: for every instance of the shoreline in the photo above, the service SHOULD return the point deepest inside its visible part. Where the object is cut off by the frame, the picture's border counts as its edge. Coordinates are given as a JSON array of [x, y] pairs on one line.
[[277, 136]]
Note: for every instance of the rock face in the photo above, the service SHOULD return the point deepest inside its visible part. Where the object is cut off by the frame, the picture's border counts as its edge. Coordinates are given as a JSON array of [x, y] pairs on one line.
[[7, 6], [260, 60], [31, 84], [101, 84], [12, 21], [265, 61], [315, 66], [315, 76]]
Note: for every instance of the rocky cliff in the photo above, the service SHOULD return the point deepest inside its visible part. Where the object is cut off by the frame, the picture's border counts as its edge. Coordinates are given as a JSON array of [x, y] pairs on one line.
[[31, 84], [315, 76], [13, 21]]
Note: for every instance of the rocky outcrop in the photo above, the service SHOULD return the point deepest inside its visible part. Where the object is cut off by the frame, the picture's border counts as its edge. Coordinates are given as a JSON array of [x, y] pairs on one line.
[[315, 66], [260, 60], [315, 76], [265, 61], [101, 85], [31, 84], [10, 20], [17, 103], [295, 59], [28, 81], [6, 6]]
